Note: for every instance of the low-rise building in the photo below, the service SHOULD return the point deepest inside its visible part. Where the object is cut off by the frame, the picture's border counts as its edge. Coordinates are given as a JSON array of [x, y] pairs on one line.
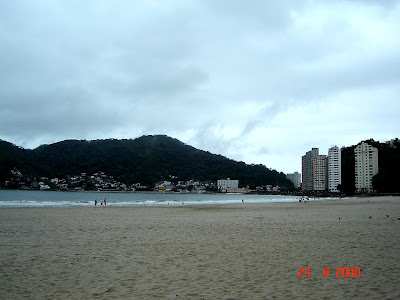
[[225, 184]]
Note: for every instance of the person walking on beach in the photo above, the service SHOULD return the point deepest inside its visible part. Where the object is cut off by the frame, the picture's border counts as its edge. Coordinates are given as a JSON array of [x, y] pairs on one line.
[[105, 201], [95, 202]]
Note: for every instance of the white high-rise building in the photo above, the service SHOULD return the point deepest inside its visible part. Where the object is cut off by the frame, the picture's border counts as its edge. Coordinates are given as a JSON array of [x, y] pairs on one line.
[[366, 166], [334, 169]]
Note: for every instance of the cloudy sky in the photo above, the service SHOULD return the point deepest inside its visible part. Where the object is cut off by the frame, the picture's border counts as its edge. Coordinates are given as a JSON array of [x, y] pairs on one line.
[[256, 81]]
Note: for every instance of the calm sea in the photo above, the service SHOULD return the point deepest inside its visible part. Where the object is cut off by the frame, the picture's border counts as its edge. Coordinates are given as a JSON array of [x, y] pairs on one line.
[[13, 198]]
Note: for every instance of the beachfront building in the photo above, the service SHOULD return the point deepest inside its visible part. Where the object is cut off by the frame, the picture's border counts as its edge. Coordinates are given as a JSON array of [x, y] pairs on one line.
[[320, 173], [307, 169], [366, 166], [314, 171], [295, 178], [334, 169], [225, 184]]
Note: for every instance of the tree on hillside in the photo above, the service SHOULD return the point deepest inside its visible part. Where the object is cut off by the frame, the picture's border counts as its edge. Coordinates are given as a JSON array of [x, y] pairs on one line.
[[146, 159]]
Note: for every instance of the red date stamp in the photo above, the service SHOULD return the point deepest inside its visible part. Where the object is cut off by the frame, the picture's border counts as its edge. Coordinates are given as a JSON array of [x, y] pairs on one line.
[[340, 272]]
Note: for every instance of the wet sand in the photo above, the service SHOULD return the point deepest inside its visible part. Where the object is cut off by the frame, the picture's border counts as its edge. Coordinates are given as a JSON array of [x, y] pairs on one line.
[[243, 251]]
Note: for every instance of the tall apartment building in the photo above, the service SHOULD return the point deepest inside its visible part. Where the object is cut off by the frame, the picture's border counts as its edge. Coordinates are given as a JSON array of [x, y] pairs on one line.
[[334, 169], [366, 166], [295, 178], [320, 173], [307, 183]]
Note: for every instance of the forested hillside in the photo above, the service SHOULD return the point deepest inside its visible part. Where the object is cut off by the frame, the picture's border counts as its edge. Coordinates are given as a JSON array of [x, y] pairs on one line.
[[146, 159]]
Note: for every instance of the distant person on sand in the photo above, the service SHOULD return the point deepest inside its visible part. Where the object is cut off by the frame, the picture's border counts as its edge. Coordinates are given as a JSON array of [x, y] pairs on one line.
[[101, 202], [105, 201], [95, 202], [242, 200]]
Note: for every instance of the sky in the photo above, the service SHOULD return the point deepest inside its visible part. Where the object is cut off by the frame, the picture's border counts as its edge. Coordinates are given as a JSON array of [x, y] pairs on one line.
[[256, 81]]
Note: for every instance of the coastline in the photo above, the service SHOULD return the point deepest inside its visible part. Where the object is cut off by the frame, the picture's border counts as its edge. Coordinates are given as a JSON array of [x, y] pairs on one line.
[[228, 251]]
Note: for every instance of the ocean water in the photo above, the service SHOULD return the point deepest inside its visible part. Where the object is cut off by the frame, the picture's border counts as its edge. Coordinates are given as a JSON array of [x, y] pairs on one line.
[[16, 198]]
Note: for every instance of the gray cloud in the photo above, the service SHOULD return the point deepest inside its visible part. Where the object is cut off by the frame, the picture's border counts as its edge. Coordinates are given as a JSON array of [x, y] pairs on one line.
[[244, 79]]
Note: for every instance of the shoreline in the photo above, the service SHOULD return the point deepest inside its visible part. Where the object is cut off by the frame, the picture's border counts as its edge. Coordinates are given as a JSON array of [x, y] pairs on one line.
[[292, 204], [296, 194], [338, 200]]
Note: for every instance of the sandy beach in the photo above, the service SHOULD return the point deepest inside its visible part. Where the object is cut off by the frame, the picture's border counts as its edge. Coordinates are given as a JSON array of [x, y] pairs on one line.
[[243, 251]]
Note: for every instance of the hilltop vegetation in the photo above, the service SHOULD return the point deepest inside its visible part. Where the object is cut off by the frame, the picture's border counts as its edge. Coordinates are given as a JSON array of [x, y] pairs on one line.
[[146, 160]]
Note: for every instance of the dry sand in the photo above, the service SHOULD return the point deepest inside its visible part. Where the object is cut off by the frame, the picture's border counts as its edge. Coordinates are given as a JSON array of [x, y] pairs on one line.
[[244, 251]]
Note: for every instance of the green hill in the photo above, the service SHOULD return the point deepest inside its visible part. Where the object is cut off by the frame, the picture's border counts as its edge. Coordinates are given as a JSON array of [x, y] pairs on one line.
[[12, 156], [146, 160]]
